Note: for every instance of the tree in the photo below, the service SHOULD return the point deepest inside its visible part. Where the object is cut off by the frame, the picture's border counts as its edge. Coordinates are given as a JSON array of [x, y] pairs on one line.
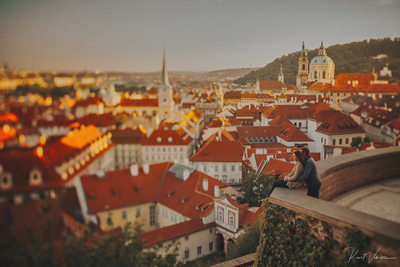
[[246, 243], [256, 188]]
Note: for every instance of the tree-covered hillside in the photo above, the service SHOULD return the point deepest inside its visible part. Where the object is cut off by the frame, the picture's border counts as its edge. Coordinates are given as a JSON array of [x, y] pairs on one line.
[[348, 58]]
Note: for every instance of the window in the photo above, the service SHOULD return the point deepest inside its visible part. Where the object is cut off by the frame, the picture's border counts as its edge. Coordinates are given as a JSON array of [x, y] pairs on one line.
[[216, 168], [186, 237], [315, 75], [233, 168], [109, 219], [138, 213], [124, 214], [323, 75], [299, 124], [240, 167], [295, 124], [211, 246], [303, 67], [220, 214], [152, 215], [186, 254], [211, 230], [347, 141], [224, 168], [231, 219], [340, 141], [199, 250], [334, 142]]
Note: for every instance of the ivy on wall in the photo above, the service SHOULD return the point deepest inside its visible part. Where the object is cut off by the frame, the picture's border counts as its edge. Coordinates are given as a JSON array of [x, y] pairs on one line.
[[290, 240]]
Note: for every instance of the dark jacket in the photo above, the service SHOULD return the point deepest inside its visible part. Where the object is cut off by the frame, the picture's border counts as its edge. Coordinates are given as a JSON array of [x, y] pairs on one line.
[[309, 175]]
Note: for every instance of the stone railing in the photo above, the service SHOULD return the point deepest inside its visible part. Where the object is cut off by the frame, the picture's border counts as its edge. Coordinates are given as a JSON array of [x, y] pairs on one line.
[[347, 172], [342, 174]]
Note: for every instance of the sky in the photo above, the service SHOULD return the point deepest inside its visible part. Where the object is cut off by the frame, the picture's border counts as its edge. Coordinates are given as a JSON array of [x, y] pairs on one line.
[[198, 35]]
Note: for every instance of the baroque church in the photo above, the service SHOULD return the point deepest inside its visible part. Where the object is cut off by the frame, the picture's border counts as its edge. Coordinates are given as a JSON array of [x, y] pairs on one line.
[[320, 69]]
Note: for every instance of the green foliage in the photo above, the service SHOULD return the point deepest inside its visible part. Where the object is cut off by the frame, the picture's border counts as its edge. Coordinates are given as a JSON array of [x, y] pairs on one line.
[[287, 240], [55, 92], [121, 247], [256, 188], [246, 243], [348, 58]]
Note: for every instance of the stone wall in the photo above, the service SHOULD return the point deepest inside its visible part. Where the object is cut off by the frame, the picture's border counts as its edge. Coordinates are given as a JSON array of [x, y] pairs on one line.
[[347, 172]]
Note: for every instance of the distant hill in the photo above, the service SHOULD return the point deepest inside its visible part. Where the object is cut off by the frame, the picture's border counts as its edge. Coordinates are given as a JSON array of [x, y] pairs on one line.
[[348, 58]]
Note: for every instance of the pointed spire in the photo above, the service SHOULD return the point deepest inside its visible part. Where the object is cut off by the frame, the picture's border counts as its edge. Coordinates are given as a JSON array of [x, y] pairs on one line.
[[321, 50], [164, 74], [303, 50]]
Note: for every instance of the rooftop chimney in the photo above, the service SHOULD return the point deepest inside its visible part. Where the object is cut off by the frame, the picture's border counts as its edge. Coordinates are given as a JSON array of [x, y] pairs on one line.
[[146, 168], [216, 190], [101, 173], [134, 169], [205, 184], [186, 174]]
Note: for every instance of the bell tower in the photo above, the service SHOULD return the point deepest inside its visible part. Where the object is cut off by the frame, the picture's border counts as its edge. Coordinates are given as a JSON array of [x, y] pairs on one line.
[[165, 99], [302, 72]]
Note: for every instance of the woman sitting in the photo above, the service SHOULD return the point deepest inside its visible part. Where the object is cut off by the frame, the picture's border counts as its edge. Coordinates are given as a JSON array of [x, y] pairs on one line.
[[295, 172], [289, 180]]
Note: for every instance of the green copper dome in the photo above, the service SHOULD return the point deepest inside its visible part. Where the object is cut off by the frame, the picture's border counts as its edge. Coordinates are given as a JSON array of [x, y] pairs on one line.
[[321, 60]]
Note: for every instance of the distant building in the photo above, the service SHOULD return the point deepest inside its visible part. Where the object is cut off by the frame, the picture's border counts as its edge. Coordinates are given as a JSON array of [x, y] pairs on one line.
[[167, 145], [127, 150], [385, 72], [302, 70], [322, 68]]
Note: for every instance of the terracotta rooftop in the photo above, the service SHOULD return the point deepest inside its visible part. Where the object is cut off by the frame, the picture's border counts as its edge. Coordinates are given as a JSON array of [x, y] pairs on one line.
[[174, 231]]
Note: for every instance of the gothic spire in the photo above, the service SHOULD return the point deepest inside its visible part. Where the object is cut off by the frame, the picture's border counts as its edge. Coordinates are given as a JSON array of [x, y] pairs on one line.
[[164, 74], [303, 50]]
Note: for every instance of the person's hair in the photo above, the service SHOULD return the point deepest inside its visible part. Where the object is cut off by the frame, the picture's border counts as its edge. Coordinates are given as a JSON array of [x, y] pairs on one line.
[[297, 154], [306, 151]]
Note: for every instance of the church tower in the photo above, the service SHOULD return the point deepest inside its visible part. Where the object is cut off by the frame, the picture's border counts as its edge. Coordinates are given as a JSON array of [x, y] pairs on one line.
[[165, 100], [302, 71], [281, 78]]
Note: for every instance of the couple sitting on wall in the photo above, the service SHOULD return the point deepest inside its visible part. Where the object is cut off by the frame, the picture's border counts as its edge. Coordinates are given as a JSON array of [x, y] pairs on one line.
[[303, 173]]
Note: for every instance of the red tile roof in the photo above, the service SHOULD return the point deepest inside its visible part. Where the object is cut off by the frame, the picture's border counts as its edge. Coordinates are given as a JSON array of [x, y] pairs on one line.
[[335, 122], [127, 136], [174, 231], [89, 101], [219, 150], [149, 102], [8, 117], [99, 120], [291, 133], [277, 167], [161, 137], [258, 131], [120, 189]]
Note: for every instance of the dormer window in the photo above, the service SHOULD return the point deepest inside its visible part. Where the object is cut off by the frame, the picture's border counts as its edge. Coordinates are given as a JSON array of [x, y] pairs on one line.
[[5, 181], [158, 139], [35, 177], [169, 139]]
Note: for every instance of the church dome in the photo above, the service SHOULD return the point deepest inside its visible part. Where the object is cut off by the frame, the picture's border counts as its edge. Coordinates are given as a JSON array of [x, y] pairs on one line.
[[321, 60]]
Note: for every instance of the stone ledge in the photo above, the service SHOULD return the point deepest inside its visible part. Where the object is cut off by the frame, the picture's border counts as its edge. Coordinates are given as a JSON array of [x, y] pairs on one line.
[[327, 166], [372, 226]]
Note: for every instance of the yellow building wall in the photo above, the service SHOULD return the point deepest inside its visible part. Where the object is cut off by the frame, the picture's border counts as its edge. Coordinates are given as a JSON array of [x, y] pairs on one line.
[[131, 216]]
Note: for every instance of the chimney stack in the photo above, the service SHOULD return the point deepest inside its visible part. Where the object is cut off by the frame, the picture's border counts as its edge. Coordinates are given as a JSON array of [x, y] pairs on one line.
[[134, 169], [216, 191], [146, 168]]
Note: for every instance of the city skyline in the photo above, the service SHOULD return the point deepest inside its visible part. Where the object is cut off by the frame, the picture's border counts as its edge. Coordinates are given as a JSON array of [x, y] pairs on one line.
[[198, 36]]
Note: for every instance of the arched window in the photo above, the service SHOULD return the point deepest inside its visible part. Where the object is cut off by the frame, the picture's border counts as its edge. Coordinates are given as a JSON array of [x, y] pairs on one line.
[[5, 181], [35, 177]]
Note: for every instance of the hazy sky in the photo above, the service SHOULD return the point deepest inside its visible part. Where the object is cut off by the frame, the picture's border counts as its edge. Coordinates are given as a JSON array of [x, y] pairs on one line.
[[129, 35]]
